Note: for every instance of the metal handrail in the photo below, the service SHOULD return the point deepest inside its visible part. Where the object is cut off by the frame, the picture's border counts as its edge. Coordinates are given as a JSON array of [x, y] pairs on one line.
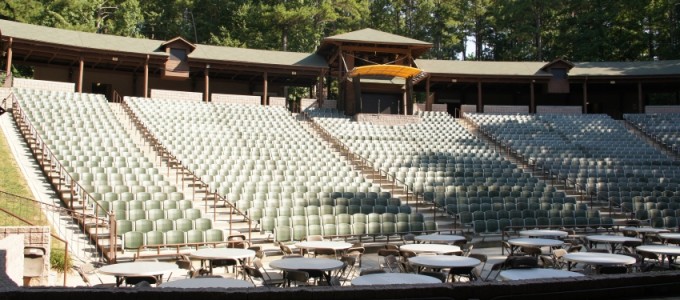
[[75, 189], [164, 152], [366, 162]]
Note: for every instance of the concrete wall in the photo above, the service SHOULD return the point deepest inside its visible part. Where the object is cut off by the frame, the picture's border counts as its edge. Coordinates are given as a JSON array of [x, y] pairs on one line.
[[661, 109], [11, 260], [640, 285], [176, 95], [506, 109], [559, 109], [235, 99], [44, 85], [330, 103], [36, 236], [435, 107]]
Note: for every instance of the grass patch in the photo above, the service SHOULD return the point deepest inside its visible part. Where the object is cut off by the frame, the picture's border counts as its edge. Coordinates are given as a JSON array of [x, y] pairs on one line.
[[12, 181]]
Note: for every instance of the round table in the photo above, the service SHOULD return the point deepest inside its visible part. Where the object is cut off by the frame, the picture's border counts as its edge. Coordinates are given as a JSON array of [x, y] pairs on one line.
[[534, 242], [598, 259], [443, 261], [612, 240], [323, 265], [135, 269], [211, 254], [335, 246], [440, 238], [543, 233], [536, 273], [430, 248], [664, 250], [674, 237], [207, 282], [644, 231], [394, 278]]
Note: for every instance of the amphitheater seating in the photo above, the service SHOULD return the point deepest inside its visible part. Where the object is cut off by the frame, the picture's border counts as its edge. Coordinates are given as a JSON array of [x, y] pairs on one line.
[[83, 133], [595, 154], [263, 161], [441, 161]]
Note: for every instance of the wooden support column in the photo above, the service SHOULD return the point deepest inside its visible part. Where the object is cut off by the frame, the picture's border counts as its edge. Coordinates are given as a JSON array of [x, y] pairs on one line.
[[206, 94], [356, 86], [265, 83], [641, 102], [8, 68], [409, 97], [81, 66], [480, 105], [532, 107], [146, 77], [350, 93], [429, 100], [319, 89], [585, 97]]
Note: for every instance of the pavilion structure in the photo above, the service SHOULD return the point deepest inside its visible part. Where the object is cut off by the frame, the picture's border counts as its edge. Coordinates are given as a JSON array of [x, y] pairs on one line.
[[374, 72]]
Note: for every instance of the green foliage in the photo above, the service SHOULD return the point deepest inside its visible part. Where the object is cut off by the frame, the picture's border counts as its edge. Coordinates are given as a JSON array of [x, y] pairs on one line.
[[577, 30], [58, 260]]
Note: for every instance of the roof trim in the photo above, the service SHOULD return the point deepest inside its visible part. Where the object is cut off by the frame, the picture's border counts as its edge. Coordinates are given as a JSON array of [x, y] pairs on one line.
[[181, 40]]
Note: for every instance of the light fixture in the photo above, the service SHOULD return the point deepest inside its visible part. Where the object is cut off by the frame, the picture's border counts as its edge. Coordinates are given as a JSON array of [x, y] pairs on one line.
[[454, 80], [612, 82], [293, 73], [115, 58]]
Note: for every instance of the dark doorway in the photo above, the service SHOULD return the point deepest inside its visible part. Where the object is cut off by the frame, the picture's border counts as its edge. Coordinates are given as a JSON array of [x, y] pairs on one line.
[[380, 103], [104, 89]]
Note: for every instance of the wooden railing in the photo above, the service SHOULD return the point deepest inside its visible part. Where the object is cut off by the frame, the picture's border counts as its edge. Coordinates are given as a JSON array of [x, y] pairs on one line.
[[174, 163], [62, 182]]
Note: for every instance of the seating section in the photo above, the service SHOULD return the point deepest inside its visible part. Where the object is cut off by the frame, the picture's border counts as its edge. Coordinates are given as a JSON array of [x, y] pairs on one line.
[[597, 155], [266, 163], [440, 160], [664, 128], [94, 148]]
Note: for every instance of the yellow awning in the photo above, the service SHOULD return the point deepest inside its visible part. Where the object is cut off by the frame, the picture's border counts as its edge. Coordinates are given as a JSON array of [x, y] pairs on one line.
[[385, 70]]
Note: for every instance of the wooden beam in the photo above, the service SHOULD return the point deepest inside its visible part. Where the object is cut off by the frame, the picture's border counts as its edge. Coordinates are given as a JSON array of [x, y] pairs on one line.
[[585, 97], [480, 105], [532, 107], [428, 98], [81, 67], [641, 102], [8, 69], [206, 93], [265, 83], [146, 77]]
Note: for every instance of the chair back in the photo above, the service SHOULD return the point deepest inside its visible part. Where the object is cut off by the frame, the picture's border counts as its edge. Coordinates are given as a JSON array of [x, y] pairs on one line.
[[296, 277]]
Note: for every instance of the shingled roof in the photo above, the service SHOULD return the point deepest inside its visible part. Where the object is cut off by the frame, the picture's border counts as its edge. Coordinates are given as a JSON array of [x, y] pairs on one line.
[[372, 36]]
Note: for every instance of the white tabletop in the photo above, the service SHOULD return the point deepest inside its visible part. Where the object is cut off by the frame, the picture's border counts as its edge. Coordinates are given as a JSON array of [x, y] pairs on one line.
[[660, 249], [646, 229], [145, 268], [443, 261], [612, 239], [440, 238], [319, 264], [394, 278], [535, 242], [599, 259], [223, 253], [207, 282], [323, 245], [430, 248], [536, 273], [543, 233], [673, 236]]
